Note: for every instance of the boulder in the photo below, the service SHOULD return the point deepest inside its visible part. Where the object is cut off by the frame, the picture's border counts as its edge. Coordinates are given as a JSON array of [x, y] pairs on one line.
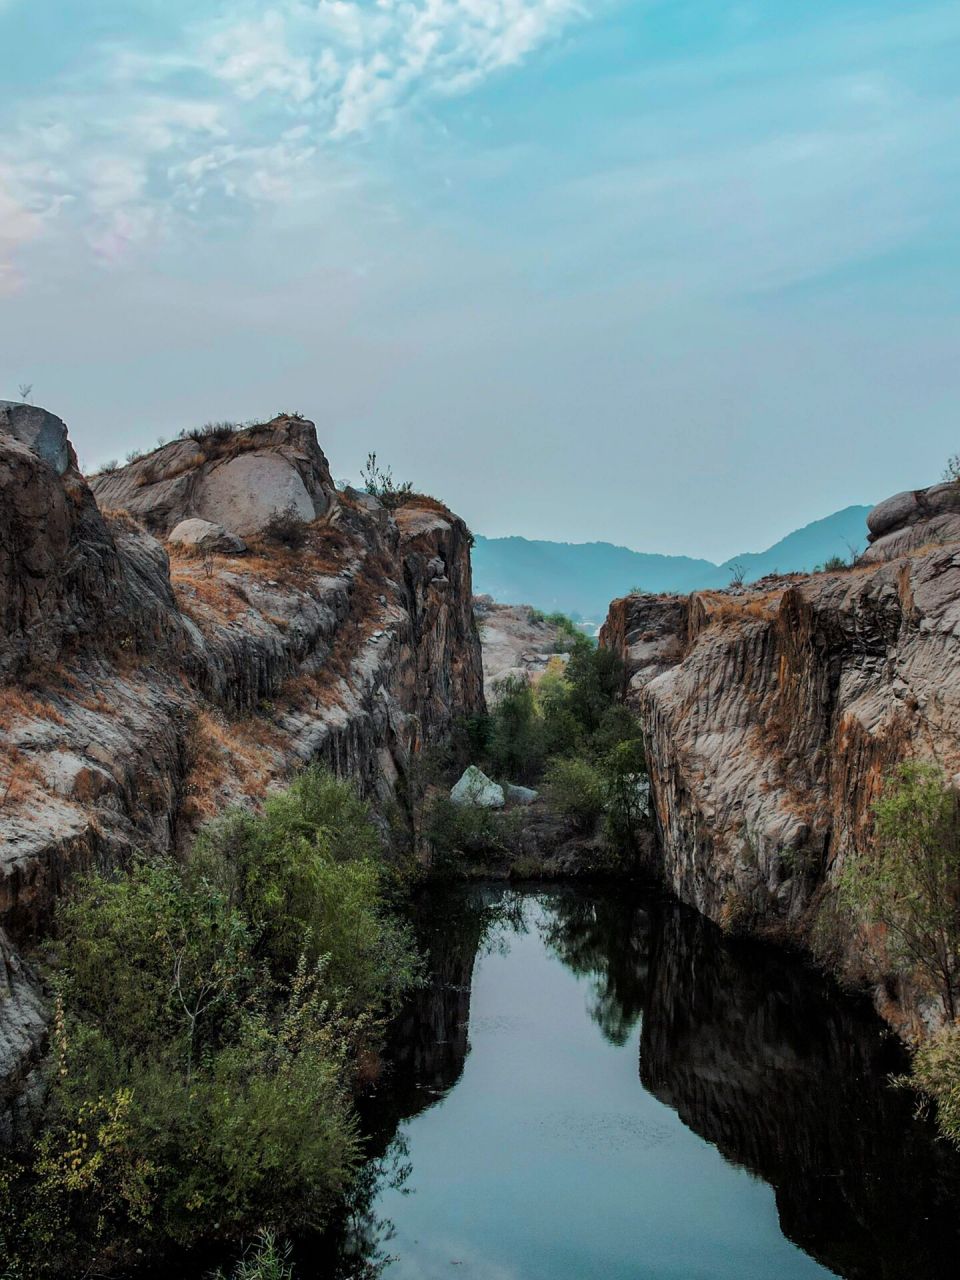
[[43, 433], [520, 795], [207, 536], [249, 489], [476, 789]]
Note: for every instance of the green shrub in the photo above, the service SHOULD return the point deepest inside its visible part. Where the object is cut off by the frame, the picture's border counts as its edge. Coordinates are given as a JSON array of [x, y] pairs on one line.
[[516, 742], [458, 833], [909, 879], [267, 1259], [307, 874], [576, 789], [936, 1072], [209, 1019]]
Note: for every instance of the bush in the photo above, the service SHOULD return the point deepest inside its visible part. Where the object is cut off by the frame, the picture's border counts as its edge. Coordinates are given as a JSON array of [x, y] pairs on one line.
[[515, 739], [936, 1072], [909, 880], [380, 484], [576, 789], [833, 563], [209, 1019], [287, 528], [215, 432], [306, 873], [456, 833]]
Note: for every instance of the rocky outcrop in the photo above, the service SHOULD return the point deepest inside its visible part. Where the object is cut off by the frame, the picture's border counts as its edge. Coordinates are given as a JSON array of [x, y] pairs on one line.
[[518, 641], [148, 684], [228, 476], [771, 716]]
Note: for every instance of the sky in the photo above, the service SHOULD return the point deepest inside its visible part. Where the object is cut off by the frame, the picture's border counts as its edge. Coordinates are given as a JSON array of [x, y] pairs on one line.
[[682, 275]]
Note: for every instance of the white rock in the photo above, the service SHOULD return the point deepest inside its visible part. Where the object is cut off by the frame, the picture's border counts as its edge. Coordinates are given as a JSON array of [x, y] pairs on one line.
[[476, 789], [520, 795], [207, 536], [247, 490]]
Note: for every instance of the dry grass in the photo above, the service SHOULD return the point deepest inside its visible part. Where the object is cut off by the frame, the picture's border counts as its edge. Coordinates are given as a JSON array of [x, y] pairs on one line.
[[19, 779], [20, 702], [244, 752]]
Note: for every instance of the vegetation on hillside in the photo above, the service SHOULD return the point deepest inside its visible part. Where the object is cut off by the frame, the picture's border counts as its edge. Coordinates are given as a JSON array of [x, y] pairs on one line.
[[906, 889], [567, 734], [213, 1020]]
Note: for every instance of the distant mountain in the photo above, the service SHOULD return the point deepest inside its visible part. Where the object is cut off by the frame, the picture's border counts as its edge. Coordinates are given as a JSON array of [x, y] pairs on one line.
[[581, 578]]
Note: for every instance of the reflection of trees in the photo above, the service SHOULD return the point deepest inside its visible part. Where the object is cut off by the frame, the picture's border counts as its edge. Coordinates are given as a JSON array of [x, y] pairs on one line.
[[606, 939], [756, 1053]]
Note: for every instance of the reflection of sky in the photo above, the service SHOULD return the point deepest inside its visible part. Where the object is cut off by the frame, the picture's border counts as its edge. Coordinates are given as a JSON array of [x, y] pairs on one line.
[[615, 244], [549, 1160]]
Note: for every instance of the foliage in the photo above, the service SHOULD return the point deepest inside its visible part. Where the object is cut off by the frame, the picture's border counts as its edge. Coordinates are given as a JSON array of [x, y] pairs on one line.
[[307, 874], [833, 563], [379, 482], [216, 432], [575, 788], [455, 832], [266, 1259], [595, 677], [951, 471], [286, 527], [936, 1072], [209, 1019], [909, 881], [738, 573], [516, 740]]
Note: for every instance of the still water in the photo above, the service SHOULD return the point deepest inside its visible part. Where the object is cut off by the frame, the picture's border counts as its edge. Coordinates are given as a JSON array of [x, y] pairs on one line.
[[602, 1085]]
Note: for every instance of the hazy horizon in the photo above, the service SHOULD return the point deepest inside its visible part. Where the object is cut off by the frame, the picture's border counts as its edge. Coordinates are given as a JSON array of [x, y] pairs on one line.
[[676, 276]]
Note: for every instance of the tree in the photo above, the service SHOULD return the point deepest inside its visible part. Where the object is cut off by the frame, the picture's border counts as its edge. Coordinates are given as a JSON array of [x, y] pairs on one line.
[[909, 880], [26, 390]]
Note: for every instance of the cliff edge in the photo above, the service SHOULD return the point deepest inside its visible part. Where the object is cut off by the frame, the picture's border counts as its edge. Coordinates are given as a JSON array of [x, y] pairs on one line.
[[773, 713], [180, 634]]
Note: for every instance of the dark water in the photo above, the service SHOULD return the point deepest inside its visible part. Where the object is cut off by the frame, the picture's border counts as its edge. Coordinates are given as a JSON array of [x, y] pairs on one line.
[[602, 1085]]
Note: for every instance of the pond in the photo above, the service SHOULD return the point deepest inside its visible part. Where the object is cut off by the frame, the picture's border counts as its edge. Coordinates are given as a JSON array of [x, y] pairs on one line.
[[601, 1084]]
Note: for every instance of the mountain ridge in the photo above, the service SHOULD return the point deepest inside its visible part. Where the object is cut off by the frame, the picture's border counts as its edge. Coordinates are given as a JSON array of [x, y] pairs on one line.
[[581, 578]]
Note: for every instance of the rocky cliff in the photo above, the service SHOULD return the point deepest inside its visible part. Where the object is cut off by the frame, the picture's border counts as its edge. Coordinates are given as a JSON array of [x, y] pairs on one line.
[[771, 715], [180, 633]]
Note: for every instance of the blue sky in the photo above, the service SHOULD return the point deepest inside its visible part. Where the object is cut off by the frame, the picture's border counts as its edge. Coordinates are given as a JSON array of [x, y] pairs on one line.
[[678, 275]]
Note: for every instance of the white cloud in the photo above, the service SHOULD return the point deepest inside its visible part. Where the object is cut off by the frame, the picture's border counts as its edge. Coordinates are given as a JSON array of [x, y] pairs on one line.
[[125, 149]]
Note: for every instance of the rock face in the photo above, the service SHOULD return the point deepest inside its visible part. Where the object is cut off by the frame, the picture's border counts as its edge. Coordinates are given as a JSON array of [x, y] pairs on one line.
[[771, 717], [517, 641], [144, 688]]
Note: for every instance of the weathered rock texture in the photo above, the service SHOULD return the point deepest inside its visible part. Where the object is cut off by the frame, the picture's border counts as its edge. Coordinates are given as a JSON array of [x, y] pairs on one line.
[[517, 641], [772, 715], [145, 687]]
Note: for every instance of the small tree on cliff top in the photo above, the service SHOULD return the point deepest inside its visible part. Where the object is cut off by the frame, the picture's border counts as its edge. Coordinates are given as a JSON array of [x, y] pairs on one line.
[[909, 881]]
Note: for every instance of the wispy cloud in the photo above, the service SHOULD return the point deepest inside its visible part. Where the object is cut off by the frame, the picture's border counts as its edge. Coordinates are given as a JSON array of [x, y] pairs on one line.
[[243, 104]]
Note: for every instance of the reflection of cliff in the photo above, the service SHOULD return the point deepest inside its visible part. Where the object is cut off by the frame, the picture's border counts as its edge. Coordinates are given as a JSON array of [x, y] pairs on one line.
[[761, 1058]]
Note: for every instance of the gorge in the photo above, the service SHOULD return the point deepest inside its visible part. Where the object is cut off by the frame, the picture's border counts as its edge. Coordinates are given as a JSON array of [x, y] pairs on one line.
[[181, 636]]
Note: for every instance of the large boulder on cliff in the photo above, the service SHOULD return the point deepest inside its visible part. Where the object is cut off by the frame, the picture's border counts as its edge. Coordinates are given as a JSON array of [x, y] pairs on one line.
[[237, 478], [43, 433], [913, 519]]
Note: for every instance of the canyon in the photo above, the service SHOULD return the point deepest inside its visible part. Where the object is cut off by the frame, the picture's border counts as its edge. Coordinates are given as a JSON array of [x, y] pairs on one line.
[[182, 633]]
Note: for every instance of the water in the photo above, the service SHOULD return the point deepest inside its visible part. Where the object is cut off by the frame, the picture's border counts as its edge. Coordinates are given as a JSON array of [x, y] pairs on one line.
[[602, 1085]]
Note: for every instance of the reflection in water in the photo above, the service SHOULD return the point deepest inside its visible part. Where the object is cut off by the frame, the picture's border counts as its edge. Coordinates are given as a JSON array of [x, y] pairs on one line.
[[754, 1053]]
